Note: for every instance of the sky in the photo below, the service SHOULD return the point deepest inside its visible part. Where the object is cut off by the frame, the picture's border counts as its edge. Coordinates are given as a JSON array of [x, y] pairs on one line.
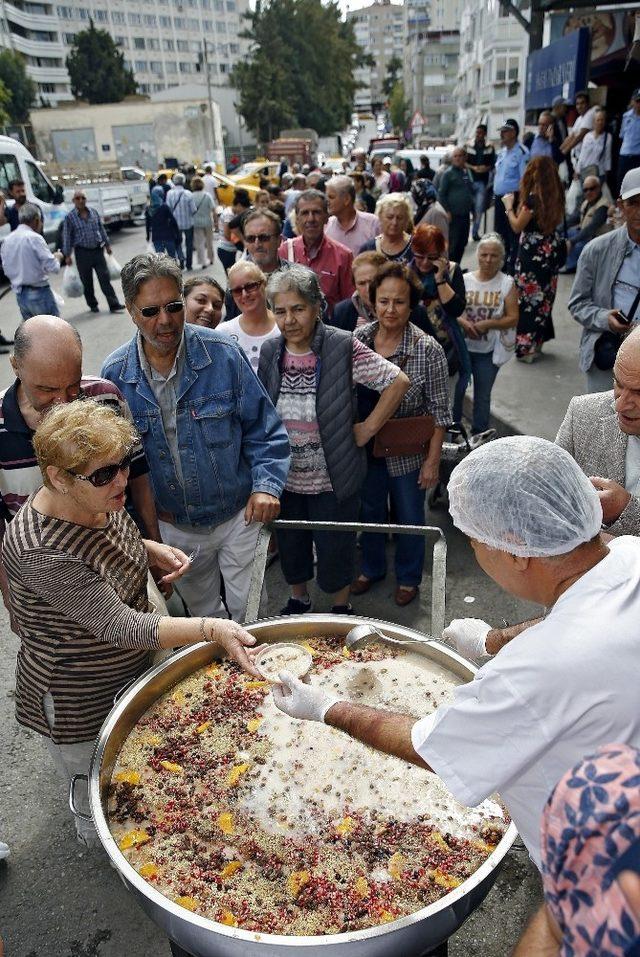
[[346, 5]]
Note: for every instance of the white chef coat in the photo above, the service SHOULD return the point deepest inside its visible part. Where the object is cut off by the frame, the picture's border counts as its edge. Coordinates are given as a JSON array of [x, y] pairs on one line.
[[550, 697]]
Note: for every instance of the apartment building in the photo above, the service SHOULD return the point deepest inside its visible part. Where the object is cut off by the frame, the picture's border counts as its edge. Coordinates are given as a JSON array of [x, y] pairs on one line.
[[432, 45], [492, 65], [379, 31], [162, 42]]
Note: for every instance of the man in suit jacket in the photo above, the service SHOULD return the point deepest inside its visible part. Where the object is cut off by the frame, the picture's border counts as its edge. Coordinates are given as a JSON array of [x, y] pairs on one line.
[[602, 433]]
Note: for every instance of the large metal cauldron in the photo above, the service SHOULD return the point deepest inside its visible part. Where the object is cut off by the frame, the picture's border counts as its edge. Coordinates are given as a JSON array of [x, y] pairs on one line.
[[409, 936]]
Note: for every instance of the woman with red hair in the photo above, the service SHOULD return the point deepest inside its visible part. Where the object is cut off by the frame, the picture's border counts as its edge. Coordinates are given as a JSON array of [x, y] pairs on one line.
[[444, 298], [541, 254]]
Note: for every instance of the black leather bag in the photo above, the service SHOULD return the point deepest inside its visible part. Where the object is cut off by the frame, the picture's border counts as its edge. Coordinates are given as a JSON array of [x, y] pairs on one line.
[[607, 345]]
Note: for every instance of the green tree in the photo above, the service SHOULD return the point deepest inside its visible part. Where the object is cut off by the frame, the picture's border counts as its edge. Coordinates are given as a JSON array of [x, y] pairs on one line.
[[96, 68], [5, 105], [394, 67], [20, 87], [398, 108], [300, 68]]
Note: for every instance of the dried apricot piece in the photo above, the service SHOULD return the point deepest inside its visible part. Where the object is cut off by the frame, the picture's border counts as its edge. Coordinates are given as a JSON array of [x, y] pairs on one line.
[[236, 773], [361, 887], [228, 917], [189, 903], [254, 723], [170, 766], [202, 727], [296, 881], [397, 864], [133, 839], [346, 825], [231, 868], [127, 777], [149, 870], [225, 822]]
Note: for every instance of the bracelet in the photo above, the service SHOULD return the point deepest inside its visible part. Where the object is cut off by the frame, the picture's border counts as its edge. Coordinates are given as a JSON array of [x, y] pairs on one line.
[[443, 282], [202, 631]]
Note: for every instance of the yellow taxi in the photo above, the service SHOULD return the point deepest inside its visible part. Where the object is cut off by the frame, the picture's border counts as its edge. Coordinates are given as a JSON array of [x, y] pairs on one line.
[[247, 177]]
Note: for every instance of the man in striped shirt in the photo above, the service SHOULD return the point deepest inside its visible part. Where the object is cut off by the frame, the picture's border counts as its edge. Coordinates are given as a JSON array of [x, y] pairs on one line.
[[47, 361]]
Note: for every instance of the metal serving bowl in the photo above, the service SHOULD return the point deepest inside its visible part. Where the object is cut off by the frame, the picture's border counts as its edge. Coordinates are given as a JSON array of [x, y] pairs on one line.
[[409, 936]]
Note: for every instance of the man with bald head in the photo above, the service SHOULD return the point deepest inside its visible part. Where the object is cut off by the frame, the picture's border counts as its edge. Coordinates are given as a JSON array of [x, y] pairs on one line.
[[347, 225], [47, 361], [587, 223], [602, 433]]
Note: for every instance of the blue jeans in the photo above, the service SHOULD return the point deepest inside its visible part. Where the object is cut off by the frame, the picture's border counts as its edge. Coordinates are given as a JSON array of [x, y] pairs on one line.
[[464, 372], [484, 375], [36, 301], [408, 501], [574, 254], [167, 246], [479, 195]]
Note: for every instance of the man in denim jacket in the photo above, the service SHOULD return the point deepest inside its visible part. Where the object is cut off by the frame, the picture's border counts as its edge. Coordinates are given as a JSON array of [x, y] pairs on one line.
[[218, 453]]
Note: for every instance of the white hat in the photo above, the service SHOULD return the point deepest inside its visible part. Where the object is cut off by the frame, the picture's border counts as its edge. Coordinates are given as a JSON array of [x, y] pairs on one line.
[[630, 184], [386, 161]]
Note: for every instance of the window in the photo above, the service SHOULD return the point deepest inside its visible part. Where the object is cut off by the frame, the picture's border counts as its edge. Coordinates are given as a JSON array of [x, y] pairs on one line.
[[206, 4], [153, 44], [168, 45], [122, 42], [166, 23], [141, 66], [82, 14], [218, 6], [186, 67], [221, 26], [193, 24], [507, 69], [100, 16], [150, 20], [135, 20], [182, 46], [144, 87], [234, 48], [157, 87], [139, 43], [41, 188], [171, 67], [223, 49], [118, 17], [224, 67], [66, 13], [179, 23], [47, 87], [9, 170], [231, 6], [156, 67], [69, 38]]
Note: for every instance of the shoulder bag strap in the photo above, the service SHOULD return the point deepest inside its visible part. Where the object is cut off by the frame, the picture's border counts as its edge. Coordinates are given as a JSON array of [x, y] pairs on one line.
[[634, 307]]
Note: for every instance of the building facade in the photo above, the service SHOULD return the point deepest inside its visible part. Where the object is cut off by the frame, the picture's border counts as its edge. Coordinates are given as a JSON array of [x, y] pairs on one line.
[[431, 51], [492, 68], [162, 42], [379, 31]]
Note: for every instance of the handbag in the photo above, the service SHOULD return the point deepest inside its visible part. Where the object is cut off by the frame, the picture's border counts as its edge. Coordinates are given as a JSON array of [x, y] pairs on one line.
[[606, 345], [408, 436]]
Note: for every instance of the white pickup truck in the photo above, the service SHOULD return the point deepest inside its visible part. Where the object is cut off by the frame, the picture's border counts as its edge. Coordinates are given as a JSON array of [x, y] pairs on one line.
[[111, 200]]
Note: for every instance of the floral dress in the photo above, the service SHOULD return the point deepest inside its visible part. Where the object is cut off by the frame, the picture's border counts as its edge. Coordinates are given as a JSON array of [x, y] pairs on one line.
[[539, 258]]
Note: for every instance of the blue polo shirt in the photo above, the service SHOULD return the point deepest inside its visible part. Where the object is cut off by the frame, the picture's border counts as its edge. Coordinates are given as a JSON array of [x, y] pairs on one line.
[[510, 166], [630, 134]]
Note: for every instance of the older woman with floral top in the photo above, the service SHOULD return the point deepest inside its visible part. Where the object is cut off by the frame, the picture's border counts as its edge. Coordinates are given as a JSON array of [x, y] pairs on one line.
[[309, 374], [394, 292]]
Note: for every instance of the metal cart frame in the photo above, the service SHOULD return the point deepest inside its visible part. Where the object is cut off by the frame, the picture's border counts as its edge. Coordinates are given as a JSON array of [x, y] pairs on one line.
[[438, 560]]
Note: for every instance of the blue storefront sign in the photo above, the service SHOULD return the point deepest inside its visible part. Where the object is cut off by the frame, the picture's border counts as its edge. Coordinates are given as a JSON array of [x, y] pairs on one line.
[[560, 69]]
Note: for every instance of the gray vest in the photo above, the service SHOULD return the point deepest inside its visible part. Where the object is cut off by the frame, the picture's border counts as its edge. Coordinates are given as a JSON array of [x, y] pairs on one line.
[[336, 407]]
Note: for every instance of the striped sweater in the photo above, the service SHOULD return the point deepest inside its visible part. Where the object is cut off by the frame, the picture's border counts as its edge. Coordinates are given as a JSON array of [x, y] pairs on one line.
[[79, 601]]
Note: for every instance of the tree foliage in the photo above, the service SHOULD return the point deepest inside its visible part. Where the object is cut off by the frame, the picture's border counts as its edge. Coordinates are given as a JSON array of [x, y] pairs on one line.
[[5, 105], [96, 68], [398, 108], [20, 87], [300, 68], [394, 67]]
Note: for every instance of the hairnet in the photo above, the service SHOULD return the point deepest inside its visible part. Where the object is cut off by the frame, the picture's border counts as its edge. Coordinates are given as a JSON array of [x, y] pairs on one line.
[[525, 496]]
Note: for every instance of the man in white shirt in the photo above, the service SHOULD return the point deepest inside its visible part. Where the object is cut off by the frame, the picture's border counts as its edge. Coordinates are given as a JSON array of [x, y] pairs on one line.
[[27, 262], [210, 187], [557, 691], [573, 144]]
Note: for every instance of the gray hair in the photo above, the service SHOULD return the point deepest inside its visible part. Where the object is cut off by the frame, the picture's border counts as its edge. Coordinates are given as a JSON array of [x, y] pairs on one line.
[[309, 194], [344, 184], [396, 199], [298, 279], [178, 179], [29, 213], [148, 266], [494, 239]]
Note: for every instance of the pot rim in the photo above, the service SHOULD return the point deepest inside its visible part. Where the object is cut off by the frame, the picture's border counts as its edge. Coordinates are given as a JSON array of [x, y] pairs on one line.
[[154, 896]]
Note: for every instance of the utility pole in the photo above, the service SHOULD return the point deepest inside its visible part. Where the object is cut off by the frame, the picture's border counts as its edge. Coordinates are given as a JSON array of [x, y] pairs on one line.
[[206, 67]]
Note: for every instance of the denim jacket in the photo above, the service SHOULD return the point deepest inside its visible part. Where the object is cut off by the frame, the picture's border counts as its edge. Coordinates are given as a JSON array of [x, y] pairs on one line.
[[231, 440]]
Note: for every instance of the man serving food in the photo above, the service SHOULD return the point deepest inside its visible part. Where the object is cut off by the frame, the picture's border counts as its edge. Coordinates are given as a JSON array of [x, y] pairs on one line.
[[557, 690]]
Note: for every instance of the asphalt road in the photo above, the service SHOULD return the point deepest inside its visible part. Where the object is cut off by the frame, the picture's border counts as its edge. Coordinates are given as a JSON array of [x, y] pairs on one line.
[[56, 898]]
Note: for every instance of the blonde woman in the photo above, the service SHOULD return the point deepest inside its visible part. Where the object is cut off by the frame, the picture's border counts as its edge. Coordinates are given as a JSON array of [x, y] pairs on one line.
[[255, 324], [396, 222], [77, 572]]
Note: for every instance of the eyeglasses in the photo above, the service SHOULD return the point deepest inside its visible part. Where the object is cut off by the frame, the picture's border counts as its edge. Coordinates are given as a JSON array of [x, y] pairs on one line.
[[429, 256], [106, 474], [248, 287], [589, 189], [148, 312], [260, 238]]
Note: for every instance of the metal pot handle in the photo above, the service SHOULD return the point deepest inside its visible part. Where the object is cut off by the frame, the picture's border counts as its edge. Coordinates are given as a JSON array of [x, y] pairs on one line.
[[72, 797]]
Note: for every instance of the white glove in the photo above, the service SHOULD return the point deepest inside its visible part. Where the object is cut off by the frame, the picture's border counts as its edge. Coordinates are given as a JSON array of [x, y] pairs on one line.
[[299, 700], [468, 636]]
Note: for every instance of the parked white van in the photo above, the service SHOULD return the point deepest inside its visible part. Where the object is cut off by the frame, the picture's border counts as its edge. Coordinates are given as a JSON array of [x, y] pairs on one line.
[[16, 162]]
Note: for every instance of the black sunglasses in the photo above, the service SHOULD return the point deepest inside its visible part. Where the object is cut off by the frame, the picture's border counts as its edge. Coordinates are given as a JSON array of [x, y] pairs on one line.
[[148, 312], [260, 238], [106, 474], [248, 287], [589, 189]]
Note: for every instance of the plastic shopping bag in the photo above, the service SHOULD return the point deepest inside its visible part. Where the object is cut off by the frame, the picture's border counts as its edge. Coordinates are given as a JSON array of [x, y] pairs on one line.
[[71, 283], [59, 300], [113, 266]]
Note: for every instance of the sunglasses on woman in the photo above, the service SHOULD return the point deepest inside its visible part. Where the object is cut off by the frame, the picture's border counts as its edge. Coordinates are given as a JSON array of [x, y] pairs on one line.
[[148, 312], [106, 474], [248, 287]]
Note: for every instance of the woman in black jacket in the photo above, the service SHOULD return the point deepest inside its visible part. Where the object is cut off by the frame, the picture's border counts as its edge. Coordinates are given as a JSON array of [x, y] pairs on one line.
[[161, 226]]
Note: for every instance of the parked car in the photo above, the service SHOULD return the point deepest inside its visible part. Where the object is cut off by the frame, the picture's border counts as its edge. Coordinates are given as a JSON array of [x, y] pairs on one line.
[[247, 176]]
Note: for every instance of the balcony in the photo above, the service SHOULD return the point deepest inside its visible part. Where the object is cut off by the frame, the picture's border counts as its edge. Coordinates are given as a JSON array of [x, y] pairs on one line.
[[30, 21], [45, 74], [38, 47]]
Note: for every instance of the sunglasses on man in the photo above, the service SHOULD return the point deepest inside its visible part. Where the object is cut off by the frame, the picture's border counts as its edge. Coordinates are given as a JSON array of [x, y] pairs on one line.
[[106, 474], [259, 238], [149, 312]]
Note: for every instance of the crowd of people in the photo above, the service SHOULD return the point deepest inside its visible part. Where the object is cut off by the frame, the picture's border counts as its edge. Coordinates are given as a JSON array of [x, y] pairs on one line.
[[318, 386]]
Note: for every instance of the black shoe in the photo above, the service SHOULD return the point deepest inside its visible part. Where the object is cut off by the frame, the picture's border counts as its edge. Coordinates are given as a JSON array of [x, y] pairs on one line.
[[94, 308], [343, 610], [295, 606], [118, 307], [5, 342]]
